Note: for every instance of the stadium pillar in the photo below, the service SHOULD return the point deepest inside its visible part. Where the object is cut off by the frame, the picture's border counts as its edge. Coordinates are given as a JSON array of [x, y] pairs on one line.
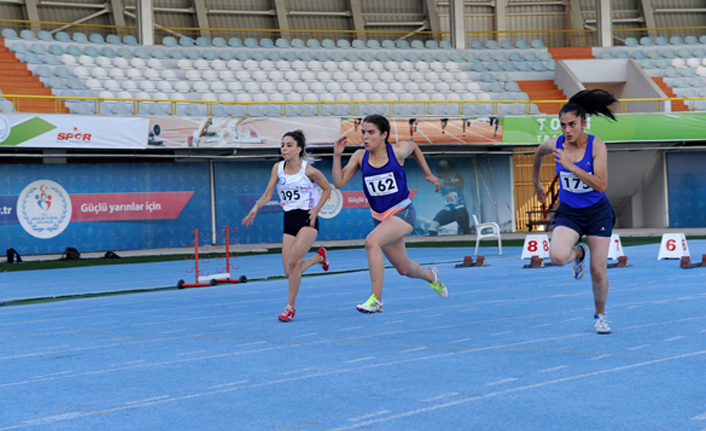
[[145, 22], [604, 20], [457, 12], [33, 14], [501, 19]]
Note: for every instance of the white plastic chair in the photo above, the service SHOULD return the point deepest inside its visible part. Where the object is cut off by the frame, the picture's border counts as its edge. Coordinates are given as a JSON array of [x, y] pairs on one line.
[[494, 233]]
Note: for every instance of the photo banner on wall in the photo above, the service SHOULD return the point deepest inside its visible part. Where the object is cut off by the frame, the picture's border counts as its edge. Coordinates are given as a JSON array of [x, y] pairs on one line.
[[253, 132], [628, 128], [72, 131], [436, 131]]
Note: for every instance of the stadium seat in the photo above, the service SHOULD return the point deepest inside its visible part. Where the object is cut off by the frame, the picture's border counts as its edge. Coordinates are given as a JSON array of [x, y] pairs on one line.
[[112, 39], [477, 44], [661, 41], [358, 44], [373, 44], [537, 44], [654, 53], [62, 36], [50, 59], [186, 42], [10, 34], [638, 54], [676, 40], [235, 42], [79, 37], [492, 44], [130, 40], [266, 42], [646, 41], [203, 42], [631, 41], [521, 44], [193, 54], [622, 54], [219, 42]]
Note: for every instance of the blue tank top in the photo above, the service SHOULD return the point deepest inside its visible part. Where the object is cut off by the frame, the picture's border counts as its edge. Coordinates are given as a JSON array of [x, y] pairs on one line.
[[384, 187], [573, 191], [454, 198]]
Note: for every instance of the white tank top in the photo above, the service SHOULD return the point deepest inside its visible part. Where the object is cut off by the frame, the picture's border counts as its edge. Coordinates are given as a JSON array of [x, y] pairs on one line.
[[296, 192]]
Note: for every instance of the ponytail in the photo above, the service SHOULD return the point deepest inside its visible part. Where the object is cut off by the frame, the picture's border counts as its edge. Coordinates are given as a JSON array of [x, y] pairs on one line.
[[590, 102], [300, 139]]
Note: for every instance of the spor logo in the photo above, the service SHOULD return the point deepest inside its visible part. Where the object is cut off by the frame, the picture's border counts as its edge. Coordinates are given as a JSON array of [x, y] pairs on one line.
[[4, 129], [333, 205], [44, 209]]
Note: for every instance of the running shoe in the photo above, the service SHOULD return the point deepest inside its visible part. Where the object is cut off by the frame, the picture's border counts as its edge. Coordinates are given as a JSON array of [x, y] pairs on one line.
[[578, 267], [287, 315], [324, 263], [372, 305], [601, 323], [438, 285]]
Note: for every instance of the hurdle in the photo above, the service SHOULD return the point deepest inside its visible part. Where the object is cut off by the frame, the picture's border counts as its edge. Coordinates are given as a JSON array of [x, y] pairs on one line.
[[685, 262], [468, 262], [199, 282], [227, 279]]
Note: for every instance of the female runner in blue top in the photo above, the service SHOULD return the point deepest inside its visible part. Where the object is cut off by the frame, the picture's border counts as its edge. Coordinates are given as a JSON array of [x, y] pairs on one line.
[[296, 182], [385, 187], [582, 167]]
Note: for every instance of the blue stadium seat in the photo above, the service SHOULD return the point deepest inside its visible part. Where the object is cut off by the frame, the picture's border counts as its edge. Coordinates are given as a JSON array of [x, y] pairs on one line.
[[524, 66], [226, 54], [130, 40], [159, 53], [276, 55], [537, 44], [62, 36], [456, 57], [500, 56], [235, 42], [258, 55], [313, 44], [506, 44], [50, 59], [219, 42], [631, 41], [388, 44], [397, 57], [676, 40], [27, 35], [298, 43], [544, 56], [328, 44], [382, 56], [494, 66], [514, 56], [699, 52], [647, 64], [203, 42], [45, 36], [431, 44], [669, 53], [441, 57], [654, 53], [509, 66], [109, 52], [470, 56], [123, 52], [445, 44], [521, 44], [73, 50], [62, 72], [37, 48], [416, 44], [358, 44], [661, 41], [373, 44], [410, 56], [352, 56], [18, 47], [477, 44], [492, 44], [282, 43], [684, 53], [530, 56], [702, 39], [79, 37], [8, 33], [91, 51], [242, 55], [113, 39], [538, 66], [266, 42], [177, 54], [142, 53], [478, 67], [427, 57], [321, 56], [606, 54], [96, 39], [186, 42], [193, 54], [646, 41], [169, 41]]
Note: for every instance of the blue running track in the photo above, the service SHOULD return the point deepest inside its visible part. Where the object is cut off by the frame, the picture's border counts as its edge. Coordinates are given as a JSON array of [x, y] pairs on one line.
[[510, 349]]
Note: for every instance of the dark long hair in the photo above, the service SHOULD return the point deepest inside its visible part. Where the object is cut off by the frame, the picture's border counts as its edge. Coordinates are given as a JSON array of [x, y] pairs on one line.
[[590, 102], [380, 123], [300, 139]]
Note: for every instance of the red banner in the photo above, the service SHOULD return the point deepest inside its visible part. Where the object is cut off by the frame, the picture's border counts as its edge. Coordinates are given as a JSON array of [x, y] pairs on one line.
[[128, 206], [357, 199]]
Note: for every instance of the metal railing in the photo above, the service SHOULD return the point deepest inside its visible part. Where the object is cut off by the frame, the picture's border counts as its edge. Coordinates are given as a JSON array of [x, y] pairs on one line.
[[17, 99]]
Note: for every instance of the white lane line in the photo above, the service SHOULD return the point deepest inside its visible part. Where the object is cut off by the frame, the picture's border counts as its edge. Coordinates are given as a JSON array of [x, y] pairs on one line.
[[431, 316], [352, 328], [599, 357], [192, 353], [126, 363], [638, 347], [240, 382], [370, 415], [440, 397], [146, 400], [500, 333], [540, 326], [501, 382], [298, 371], [307, 335], [675, 338], [44, 376], [394, 321], [460, 341], [369, 358], [416, 349], [517, 389], [701, 417], [572, 319], [548, 370]]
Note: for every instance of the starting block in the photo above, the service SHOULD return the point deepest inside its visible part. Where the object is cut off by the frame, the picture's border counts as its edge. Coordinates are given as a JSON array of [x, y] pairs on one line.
[[469, 263], [537, 262], [621, 263], [685, 262]]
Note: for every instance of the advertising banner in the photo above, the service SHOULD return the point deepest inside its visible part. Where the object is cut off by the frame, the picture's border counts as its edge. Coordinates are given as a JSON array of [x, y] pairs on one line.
[[628, 128], [474, 185], [72, 131], [96, 207], [687, 195]]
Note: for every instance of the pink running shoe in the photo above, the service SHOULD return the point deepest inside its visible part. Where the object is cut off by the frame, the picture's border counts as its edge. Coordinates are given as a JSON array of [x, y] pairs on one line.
[[287, 315], [324, 263]]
